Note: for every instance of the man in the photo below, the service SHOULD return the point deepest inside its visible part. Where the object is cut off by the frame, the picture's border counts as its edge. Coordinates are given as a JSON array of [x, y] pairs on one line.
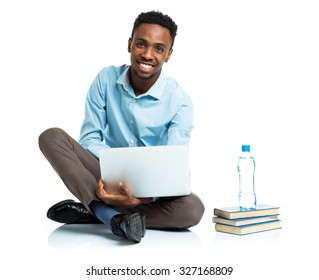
[[134, 105]]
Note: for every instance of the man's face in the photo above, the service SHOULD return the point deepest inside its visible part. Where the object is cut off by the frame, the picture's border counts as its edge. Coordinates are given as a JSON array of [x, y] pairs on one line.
[[150, 47]]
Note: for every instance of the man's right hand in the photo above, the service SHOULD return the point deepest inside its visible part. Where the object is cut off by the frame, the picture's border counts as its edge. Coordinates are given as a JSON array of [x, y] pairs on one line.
[[118, 195]]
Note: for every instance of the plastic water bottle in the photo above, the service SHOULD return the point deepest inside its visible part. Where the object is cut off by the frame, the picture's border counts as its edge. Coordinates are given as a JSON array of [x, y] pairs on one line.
[[246, 171]]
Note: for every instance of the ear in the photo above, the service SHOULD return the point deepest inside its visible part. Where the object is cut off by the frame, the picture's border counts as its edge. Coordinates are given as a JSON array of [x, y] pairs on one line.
[[129, 45], [169, 55]]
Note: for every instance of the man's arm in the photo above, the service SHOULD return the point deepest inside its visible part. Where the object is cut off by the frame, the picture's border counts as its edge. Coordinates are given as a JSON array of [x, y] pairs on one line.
[[181, 125], [93, 128]]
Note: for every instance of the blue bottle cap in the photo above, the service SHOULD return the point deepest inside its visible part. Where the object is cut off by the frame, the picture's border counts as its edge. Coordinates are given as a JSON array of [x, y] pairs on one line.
[[245, 148]]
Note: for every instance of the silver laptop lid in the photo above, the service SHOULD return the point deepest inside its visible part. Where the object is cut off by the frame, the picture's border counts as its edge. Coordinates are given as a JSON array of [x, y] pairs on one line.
[[152, 171]]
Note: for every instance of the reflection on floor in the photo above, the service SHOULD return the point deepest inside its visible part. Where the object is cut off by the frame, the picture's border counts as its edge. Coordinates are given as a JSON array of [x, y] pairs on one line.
[[97, 236]]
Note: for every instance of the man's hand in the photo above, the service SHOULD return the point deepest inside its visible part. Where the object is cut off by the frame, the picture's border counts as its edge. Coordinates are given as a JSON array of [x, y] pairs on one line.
[[118, 195]]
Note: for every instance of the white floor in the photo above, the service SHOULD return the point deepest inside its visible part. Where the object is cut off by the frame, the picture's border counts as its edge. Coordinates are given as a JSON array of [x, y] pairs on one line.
[[67, 251], [97, 236]]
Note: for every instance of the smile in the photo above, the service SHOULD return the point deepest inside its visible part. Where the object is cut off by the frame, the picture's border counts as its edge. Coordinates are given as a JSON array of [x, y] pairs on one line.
[[145, 66]]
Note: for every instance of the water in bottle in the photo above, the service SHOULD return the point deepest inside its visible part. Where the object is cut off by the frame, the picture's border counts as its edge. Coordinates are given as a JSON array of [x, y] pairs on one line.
[[246, 171]]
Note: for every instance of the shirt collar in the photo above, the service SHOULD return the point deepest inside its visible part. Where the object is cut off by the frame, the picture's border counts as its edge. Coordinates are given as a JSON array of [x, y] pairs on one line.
[[155, 91]]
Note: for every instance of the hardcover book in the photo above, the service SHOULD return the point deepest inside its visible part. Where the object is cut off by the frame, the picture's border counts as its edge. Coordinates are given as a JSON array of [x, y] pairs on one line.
[[235, 212], [246, 229], [244, 221]]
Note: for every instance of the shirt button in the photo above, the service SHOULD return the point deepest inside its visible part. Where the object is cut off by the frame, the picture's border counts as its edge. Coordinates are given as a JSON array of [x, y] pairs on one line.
[[133, 101], [131, 141], [131, 122]]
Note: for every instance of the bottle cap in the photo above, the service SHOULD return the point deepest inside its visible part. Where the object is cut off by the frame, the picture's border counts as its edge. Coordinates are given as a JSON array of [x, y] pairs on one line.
[[245, 148]]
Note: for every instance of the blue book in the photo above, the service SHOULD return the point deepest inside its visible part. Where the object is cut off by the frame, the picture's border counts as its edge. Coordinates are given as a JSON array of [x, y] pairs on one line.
[[248, 229], [244, 221], [235, 212]]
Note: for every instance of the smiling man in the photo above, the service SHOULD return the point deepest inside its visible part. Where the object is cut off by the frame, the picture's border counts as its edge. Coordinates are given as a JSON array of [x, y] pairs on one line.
[[128, 105]]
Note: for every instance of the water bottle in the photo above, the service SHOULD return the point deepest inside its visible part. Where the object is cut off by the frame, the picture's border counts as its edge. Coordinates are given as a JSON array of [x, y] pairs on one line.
[[246, 171]]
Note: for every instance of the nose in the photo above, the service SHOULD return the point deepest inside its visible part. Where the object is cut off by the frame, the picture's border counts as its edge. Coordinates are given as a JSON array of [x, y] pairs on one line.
[[148, 53]]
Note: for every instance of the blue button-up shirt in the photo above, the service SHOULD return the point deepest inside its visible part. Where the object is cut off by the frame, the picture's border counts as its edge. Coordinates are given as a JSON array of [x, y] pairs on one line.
[[116, 117]]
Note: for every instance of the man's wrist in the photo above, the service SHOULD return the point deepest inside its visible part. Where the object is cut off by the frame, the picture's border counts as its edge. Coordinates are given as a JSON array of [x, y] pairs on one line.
[[146, 200]]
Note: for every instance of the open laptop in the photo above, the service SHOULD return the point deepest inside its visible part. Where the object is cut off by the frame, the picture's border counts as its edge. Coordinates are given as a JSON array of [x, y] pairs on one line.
[[152, 171]]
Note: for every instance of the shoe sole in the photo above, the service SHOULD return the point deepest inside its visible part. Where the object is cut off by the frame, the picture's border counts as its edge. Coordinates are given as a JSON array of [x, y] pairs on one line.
[[135, 227]]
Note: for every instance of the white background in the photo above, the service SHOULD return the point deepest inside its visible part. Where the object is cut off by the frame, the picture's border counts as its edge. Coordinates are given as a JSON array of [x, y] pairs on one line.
[[252, 70]]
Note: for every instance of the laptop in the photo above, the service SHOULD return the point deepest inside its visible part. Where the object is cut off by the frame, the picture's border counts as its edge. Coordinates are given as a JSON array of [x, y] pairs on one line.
[[152, 171]]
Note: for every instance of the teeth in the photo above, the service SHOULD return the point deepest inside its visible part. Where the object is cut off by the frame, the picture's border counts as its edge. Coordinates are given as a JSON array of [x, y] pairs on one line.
[[146, 65]]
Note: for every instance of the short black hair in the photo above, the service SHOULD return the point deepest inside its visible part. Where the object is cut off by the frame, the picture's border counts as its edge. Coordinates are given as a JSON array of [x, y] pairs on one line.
[[155, 17]]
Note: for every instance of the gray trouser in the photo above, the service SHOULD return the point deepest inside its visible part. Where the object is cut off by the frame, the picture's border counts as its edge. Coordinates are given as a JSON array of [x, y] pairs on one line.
[[80, 172]]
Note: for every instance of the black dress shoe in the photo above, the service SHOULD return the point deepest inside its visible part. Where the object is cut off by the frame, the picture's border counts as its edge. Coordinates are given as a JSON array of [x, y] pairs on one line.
[[129, 226], [71, 212]]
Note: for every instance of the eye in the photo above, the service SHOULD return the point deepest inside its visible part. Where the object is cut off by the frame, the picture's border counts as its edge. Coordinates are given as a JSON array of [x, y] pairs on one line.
[[159, 49], [140, 44]]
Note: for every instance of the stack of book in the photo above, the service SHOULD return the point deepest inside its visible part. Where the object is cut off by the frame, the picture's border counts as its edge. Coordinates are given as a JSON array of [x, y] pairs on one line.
[[233, 220]]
